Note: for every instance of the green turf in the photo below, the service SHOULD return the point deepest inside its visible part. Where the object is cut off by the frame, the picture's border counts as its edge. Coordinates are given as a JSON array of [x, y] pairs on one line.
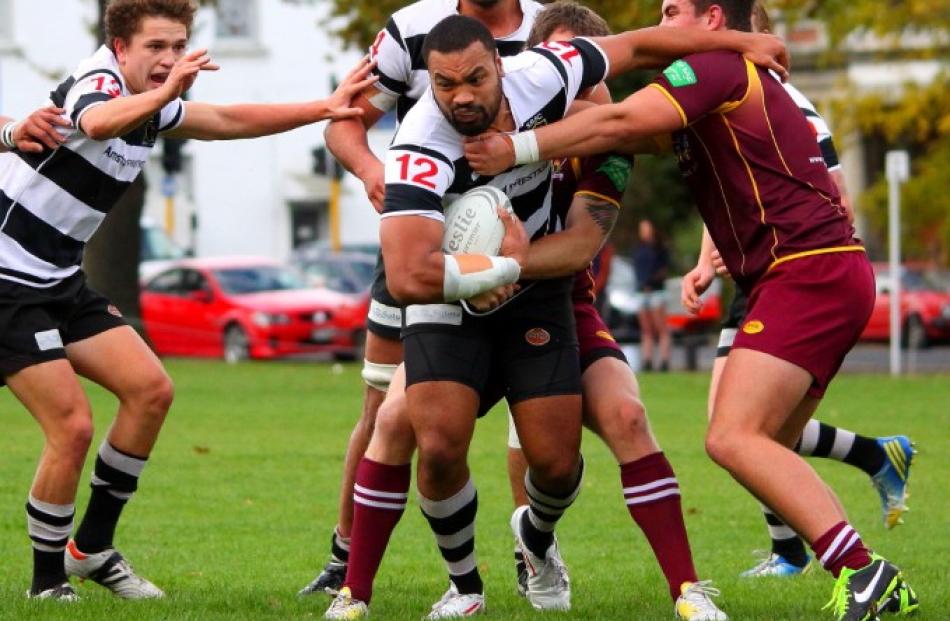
[[237, 503]]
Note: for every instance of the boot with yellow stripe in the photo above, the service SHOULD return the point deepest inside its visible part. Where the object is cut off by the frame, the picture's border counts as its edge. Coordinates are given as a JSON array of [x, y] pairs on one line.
[[891, 481]]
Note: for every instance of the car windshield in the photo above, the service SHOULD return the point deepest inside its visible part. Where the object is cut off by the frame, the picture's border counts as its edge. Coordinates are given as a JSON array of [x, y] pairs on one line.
[[346, 275], [256, 279], [157, 246], [914, 280]]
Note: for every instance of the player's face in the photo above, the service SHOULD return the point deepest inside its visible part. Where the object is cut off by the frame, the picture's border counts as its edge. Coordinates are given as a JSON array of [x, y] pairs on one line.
[[485, 4], [680, 14], [147, 57], [467, 87]]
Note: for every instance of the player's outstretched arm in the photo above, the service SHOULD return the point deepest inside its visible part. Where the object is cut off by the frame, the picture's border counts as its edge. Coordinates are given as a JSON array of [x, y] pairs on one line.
[[204, 121], [121, 115], [418, 272], [35, 132], [658, 46], [610, 127]]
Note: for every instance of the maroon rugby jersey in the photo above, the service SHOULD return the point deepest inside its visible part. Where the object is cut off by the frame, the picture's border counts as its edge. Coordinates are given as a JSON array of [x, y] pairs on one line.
[[603, 175], [752, 163]]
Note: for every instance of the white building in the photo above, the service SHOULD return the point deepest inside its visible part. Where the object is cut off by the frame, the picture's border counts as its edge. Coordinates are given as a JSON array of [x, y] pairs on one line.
[[252, 196]]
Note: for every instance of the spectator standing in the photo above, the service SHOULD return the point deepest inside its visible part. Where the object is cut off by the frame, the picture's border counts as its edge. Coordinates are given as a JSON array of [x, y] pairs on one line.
[[651, 262]]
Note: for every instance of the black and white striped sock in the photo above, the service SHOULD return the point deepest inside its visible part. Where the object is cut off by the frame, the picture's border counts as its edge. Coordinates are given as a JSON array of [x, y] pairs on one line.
[[49, 526], [339, 547], [453, 522], [544, 511], [822, 440], [114, 480], [785, 541]]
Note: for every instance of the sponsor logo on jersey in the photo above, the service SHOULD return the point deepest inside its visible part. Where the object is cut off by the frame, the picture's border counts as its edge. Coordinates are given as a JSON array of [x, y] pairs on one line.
[[680, 74], [617, 169], [753, 327], [151, 132], [537, 120], [48, 339], [605, 335], [684, 153], [121, 160], [112, 309], [537, 337]]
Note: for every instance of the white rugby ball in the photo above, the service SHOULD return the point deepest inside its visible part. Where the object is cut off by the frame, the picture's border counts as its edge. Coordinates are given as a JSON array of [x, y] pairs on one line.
[[472, 225]]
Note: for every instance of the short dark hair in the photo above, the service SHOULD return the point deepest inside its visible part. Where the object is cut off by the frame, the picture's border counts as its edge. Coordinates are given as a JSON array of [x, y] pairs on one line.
[[454, 34], [738, 12], [579, 19], [123, 18], [761, 22]]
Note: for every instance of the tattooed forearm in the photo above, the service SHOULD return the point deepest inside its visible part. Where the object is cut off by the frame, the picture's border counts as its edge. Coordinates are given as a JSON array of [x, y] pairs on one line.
[[604, 213]]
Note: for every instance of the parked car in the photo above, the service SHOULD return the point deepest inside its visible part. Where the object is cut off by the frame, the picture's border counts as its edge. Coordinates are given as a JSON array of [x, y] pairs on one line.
[[346, 271], [156, 249], [924, 308], [248, 307], [623, 305]]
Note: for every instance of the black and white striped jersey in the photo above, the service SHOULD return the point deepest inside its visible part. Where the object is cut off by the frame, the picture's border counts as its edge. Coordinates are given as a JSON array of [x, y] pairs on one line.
[[52, 202], [425, 163], [398, 47], [818, 124]]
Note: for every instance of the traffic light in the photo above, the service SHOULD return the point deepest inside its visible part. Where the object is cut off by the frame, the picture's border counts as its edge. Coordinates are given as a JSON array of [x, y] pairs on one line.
[[171, 155], [325, 164]]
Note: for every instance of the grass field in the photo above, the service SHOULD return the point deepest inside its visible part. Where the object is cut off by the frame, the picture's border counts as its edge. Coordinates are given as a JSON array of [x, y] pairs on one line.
[[236, 505]]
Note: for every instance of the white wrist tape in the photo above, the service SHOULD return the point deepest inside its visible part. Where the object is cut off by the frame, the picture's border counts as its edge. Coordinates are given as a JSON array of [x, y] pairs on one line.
[[459, 285], [526, 148], [6, 135]]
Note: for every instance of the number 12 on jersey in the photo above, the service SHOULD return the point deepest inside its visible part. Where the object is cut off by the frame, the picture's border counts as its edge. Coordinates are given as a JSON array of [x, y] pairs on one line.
[[418, 169]]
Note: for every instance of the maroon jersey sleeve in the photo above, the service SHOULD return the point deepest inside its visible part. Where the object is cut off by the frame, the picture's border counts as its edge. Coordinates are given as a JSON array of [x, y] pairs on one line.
[[700, 84], [605, 176]]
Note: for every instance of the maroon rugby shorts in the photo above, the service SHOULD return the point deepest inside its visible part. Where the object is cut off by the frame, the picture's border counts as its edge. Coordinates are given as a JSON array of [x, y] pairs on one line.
[[810, 312], [593, 336]]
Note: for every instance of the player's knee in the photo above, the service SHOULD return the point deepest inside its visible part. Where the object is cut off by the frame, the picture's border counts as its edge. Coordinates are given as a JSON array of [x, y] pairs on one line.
[[627, 420], [73, 434], [720, 445], [438, 453], [377, 375], [152, 394], [556, 472]]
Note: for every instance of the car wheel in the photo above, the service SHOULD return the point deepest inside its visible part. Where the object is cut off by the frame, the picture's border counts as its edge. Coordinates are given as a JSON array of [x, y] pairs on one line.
[[915, 334], [359, 348], [237, 347]]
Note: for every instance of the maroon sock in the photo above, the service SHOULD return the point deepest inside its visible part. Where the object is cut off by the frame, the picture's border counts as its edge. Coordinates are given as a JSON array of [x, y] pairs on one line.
[[379, 499], [653, 499], [841, 547]]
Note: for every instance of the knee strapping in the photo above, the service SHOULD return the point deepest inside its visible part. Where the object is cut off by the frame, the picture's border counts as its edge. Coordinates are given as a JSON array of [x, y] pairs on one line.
[[378, 376]]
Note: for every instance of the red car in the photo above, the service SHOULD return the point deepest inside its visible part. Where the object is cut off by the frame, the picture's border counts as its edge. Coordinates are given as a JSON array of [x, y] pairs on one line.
[[248, 307], [924, 308]]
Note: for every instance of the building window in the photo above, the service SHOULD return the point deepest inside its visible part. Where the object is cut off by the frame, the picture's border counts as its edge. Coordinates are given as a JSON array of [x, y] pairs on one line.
[[237, 25]]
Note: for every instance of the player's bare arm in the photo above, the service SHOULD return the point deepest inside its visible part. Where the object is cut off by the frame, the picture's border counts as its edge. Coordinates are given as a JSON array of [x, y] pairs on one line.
[[590, 220], [35, 132], [698, 279], [346, 140], [637, 118], [418, 272], [204, 121], [656, 47], [121, 115]]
